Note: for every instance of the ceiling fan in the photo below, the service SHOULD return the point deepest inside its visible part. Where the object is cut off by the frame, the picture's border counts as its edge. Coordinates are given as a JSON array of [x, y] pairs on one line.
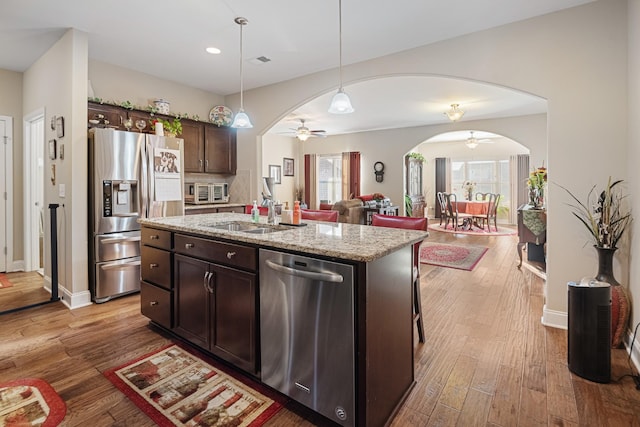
[[472, 142], [303, 133]]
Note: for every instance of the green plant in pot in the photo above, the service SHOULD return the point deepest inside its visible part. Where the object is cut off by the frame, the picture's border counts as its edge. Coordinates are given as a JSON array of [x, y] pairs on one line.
[[606, 217], [171, 128]]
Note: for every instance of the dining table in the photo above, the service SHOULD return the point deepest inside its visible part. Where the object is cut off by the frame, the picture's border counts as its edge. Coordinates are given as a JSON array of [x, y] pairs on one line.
[[472, 207]]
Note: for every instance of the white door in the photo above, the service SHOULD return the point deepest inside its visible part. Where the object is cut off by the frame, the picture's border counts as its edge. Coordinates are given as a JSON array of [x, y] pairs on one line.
[[5, 140], [34, 195]]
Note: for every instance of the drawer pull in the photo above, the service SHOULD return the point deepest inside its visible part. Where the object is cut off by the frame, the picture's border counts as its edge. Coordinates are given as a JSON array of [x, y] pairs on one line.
[[154, 265], [230, 255], [154, 237], [152, 303], [189, 245]]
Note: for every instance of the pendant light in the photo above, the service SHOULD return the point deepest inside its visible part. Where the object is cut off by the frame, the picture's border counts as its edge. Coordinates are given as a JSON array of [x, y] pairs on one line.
[[241, 120], [340, 104]]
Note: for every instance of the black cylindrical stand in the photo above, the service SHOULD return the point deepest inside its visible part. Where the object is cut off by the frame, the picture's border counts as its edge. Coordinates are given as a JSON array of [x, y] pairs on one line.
[[589, 335], [54, 251]]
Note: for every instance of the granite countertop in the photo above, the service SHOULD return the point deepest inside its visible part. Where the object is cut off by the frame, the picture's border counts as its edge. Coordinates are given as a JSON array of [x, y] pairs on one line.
[[337, 240]]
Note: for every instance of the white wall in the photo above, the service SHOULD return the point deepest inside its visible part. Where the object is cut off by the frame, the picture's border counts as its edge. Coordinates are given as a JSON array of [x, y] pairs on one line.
[[57, 82], [275, 148], [576, 59], [632, 159], [113, 83]]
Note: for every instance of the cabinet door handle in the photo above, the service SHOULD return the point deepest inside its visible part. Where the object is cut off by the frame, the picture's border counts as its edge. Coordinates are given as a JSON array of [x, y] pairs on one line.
[[206, 163], [201, 163], [207, 282], [154, 265], [230, 255], [152, 303], [189, 245], [154, 237]]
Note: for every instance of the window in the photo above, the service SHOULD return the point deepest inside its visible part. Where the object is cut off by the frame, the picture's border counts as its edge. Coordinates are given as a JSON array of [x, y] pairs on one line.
[[490, 176], [330, 178]]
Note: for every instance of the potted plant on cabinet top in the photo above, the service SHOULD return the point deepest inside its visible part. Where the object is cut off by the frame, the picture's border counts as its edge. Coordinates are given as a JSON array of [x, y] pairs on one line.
[[606, 218], [172, 128]]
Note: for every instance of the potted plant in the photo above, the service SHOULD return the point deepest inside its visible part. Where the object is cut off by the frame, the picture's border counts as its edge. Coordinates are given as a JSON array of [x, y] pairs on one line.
[[172, 128], [606, 218], [536, 182]]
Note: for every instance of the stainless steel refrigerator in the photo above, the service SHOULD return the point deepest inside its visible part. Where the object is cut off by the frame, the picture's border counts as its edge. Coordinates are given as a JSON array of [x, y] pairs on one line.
[[131, 175]]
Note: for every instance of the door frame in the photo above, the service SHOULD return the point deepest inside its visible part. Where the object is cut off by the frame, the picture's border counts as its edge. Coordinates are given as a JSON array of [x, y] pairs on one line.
[[31, 221], [6, 249]]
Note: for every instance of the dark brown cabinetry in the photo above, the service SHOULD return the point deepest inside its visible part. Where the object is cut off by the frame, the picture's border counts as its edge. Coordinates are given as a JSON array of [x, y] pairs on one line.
[[156, 287], [532, 231], [207, 147], [219, 150], [206, 209], [215, 298], [109, 115]]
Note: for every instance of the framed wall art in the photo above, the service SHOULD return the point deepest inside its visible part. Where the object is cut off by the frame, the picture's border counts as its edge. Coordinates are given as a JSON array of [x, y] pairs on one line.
[[287, 167], [275, 172]]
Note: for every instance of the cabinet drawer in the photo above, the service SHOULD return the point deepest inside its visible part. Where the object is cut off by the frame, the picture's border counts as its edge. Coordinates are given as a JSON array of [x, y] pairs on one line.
[[157, 238], [156, 304], [223, 253], [156, 266]]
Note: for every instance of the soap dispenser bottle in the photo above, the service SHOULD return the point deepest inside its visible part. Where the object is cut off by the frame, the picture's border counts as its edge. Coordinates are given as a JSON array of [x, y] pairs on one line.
[[255, 212], [296, 212]]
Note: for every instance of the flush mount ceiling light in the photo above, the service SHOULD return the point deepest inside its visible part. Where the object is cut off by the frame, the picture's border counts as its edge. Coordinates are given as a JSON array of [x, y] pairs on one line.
[[241, 119], [340, 104], [213, 50], [454, 113]]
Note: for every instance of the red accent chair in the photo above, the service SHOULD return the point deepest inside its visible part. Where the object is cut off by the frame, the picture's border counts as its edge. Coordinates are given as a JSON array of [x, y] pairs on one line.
[[319, 215], [408, 223], [264, 211]]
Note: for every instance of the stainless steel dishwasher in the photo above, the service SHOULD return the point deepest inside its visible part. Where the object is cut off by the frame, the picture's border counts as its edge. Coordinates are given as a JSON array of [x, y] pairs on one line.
[[307, 332]]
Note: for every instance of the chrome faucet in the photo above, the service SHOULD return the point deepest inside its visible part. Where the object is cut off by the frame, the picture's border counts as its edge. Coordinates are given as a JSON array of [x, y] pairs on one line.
[[271, 214]]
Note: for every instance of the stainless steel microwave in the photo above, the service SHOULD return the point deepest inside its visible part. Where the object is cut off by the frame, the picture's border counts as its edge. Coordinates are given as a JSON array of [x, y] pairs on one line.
[[197, 193]]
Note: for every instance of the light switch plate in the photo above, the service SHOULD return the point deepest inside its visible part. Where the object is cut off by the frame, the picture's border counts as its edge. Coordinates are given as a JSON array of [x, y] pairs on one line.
[[61, 190]]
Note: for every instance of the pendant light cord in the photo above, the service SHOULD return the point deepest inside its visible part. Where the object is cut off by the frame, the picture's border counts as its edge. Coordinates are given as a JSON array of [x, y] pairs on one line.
[[241, 70], [340, 33]]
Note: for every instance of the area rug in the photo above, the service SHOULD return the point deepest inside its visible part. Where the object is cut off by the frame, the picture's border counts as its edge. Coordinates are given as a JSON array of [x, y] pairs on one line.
[[30, 402], [176, 387], [476, 231], [4, 281], [453, 256]]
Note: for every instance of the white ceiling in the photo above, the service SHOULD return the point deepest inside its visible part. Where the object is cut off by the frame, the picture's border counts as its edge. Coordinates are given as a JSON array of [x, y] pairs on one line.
[[167, 39]]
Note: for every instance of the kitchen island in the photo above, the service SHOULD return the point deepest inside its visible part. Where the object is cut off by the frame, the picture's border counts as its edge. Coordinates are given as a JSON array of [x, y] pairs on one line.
[[206, 279]]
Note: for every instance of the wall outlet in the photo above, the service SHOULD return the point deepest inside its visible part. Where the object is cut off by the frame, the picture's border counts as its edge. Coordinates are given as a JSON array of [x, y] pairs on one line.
[[61, 190]]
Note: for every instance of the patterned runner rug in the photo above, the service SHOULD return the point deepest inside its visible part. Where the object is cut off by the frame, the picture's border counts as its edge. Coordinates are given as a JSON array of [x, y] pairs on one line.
[[30, 402], [453, 256], [174, 387]]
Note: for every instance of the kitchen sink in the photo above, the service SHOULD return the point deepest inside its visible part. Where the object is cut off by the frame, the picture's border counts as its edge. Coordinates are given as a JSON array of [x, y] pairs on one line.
[[247, 227]]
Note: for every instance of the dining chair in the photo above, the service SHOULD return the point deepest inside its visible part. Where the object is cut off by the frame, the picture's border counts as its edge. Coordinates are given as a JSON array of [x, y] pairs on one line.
[[458, 219], [409, 223], [492, 210], [442, 204], [319, 215], [482, 196]]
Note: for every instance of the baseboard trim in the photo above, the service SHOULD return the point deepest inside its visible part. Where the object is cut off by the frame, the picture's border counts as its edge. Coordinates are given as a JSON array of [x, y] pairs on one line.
[[554, 318], [633, 348], [70, 299], [16, 266]]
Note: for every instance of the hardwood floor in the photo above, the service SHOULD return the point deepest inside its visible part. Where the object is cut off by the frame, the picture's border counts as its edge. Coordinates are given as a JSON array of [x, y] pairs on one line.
[[487, 359]]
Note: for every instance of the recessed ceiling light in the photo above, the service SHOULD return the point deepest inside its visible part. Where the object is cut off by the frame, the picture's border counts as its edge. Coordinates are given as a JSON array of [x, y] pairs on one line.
[[213, 50]]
